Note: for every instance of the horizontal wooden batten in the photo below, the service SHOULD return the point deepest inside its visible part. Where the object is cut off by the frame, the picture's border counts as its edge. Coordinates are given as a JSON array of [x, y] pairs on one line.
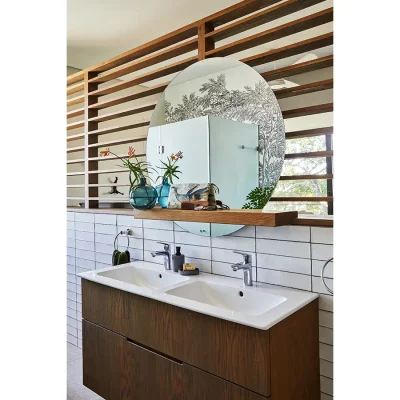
[[75, 113], [75, 100], [304, 89], [101, 158], [305, 111], [108, 184], [75, 173], [242, 217], [75, 78], [118, 141], [123, 99], [78, 136], [305, 177], [75, 125], [76, 198], [260, 18], [303, 199], [148, 76], [313, 154], [76, 161], [75, 88], [290, 50], [300, 68], [114, 129], [111, 200], [313, 220], [309, 133], [75, 186], [109, 171], [124, 113], [270, 35], [74, 149], [142, 63]]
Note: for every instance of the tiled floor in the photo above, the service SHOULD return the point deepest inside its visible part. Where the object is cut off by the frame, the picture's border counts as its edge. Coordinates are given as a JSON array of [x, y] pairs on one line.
[[75, 388]]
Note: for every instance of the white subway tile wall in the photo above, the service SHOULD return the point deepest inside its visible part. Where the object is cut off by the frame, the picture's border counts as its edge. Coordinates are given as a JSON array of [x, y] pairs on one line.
[[289, 256]]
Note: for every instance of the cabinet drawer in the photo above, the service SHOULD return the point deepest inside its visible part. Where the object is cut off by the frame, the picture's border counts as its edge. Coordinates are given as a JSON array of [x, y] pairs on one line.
[[234, 352], [116, 368]]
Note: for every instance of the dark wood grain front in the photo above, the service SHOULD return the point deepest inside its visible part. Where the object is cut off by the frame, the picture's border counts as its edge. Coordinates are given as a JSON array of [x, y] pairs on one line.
[[234, 352], [294, 352], [103, 360], [203, 386]]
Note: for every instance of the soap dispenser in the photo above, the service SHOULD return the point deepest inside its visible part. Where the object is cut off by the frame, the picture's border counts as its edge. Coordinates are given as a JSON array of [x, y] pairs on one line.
[[178, 260]]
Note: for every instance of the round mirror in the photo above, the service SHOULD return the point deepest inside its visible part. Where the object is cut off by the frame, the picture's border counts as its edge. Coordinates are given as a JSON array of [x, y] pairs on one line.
[[225, 119]]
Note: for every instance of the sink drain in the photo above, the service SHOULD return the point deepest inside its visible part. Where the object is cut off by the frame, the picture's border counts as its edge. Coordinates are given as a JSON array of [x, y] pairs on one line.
[[159, 275], [241, 294]]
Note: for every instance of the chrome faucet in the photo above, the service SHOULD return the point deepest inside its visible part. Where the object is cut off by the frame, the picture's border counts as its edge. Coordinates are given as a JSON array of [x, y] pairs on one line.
[[246, 267], [166, 253]]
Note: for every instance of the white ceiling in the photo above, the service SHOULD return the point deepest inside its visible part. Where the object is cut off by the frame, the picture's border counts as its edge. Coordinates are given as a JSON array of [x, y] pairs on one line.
[[101, 29]]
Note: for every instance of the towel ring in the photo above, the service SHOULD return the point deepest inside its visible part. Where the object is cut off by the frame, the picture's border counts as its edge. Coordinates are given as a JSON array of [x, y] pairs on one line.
[[128, 232], [323, 278]]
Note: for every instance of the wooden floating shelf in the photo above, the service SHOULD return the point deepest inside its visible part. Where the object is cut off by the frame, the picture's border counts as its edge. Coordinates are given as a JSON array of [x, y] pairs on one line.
[[240, 217]]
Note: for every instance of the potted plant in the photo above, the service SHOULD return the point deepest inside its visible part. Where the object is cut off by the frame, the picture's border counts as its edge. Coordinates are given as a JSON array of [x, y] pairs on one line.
[[170, 171], [141, 195]]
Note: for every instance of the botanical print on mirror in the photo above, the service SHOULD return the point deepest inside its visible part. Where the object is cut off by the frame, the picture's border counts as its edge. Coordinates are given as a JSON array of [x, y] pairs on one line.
[[255, 104]]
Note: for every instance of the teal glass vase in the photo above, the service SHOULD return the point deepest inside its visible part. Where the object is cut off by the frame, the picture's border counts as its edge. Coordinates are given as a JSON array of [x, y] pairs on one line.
[[143, 196], [163, 193]]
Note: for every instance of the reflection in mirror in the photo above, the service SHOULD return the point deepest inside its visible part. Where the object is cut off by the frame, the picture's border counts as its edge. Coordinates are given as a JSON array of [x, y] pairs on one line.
[[227, 122]]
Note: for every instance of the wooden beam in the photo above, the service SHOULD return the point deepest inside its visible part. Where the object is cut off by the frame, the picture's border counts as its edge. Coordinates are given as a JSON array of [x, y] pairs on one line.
[[304, 89], [205, 44], [75, 100], [300, 68], [75, 113], [75, 125], [279, 32], [290, 50], [75, 88], [76, 77]]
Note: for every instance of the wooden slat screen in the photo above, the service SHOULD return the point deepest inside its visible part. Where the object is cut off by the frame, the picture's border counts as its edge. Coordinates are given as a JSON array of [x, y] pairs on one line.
[[110, 104]]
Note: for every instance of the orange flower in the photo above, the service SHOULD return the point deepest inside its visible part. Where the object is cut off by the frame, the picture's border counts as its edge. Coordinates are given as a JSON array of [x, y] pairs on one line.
[[179, 155], [105, 152], [131, 152], [172, 157]]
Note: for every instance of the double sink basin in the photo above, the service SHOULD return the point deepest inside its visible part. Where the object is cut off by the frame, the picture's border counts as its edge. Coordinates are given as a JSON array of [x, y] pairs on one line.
[[260, 306]]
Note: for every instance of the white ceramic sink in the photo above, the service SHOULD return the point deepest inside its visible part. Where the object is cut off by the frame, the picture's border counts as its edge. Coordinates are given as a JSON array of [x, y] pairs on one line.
[[260, 306], [228, 298], [143, 277]]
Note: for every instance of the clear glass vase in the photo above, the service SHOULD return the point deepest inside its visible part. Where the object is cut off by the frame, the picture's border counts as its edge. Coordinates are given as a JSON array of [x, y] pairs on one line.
[[143, 196], [163, 193]]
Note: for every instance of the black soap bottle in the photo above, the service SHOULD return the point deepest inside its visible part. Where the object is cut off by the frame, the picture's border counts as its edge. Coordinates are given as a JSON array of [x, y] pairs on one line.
[[178, 260]]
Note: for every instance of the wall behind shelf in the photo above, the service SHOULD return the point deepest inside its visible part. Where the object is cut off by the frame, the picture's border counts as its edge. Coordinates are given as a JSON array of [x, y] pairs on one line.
[[289, 256]]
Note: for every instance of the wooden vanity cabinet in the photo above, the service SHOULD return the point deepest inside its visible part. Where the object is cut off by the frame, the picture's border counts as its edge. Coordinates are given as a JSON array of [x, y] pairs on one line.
[[138, 348]]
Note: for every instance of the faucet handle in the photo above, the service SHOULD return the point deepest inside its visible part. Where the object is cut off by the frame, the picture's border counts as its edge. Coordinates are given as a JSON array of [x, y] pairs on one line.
[[166, 245], [246, 257]]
